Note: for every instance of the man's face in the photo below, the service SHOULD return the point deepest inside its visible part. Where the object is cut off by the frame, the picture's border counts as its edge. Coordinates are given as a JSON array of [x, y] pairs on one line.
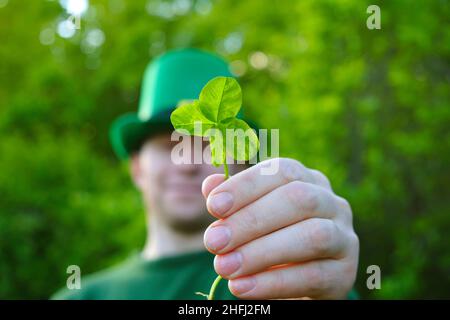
[[173, 191]]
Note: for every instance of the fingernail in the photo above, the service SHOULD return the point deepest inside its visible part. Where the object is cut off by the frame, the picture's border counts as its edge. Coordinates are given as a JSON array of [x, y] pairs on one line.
[[217, 238], [229, 263], [220, 203], [242, 285]]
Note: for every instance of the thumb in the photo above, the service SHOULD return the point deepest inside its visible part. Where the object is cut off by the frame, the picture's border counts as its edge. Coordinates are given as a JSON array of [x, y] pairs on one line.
[[211, 182]]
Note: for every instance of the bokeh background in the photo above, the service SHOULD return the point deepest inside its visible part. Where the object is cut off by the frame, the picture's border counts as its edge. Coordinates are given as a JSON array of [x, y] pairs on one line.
[[370, 108]]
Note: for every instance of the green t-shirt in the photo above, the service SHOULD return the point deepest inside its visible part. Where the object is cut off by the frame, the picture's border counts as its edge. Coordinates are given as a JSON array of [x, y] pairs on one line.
[[169, 278]]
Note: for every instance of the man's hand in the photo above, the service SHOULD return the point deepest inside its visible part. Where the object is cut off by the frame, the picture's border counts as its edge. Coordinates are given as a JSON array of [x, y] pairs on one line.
[[281, 236]]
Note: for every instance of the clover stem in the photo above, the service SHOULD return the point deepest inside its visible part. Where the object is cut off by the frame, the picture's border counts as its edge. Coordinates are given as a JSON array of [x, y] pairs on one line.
[[216, 282], [225, 169], [213, 288]]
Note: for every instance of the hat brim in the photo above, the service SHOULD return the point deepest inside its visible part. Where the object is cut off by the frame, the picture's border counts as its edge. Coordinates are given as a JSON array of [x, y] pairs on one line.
[[128, 132]]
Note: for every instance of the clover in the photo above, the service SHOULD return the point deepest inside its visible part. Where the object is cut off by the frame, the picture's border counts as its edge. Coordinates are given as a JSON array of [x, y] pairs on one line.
[[214, 115]]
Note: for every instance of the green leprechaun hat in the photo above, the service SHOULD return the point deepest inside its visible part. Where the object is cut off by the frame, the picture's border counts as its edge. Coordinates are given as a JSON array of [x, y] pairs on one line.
[[172, 77]]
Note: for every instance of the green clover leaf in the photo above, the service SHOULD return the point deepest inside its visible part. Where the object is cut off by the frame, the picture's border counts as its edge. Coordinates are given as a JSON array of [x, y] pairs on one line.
[[245, 143], [188, 116], [221, 98]]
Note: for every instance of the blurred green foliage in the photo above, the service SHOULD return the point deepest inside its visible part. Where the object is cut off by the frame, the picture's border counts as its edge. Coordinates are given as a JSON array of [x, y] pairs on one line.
[[369, 108]]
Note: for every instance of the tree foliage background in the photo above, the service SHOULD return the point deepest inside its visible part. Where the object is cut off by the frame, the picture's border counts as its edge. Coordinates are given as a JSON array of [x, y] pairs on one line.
[[369, 108]]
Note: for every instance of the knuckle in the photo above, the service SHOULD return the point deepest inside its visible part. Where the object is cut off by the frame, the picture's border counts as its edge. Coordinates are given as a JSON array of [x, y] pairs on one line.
[[354, 242], [345, 208], [320, 177], [248, 180], [344, 204], [302, 196], [291, 169], [251, 222], [321, 236]]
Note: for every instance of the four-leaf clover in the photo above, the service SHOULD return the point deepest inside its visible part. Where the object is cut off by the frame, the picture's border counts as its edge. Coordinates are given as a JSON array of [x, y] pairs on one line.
[[213, 115]]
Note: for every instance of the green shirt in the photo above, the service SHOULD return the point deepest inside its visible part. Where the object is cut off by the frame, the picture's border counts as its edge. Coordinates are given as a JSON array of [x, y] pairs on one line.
[[168, 278]]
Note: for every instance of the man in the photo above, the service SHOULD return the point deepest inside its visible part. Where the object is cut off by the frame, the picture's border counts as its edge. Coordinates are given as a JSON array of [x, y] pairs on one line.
[[279, 236]]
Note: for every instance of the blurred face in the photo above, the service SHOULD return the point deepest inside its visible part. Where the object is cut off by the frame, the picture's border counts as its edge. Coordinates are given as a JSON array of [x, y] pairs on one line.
[[173, 191]]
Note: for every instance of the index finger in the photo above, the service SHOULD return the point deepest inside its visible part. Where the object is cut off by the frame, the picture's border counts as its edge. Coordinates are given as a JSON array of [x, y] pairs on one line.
[[249, 185]]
